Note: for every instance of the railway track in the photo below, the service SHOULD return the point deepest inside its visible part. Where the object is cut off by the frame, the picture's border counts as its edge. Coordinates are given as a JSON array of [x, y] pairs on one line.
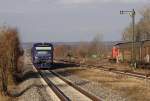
[[132, 74], [64, 89], [101, 67]]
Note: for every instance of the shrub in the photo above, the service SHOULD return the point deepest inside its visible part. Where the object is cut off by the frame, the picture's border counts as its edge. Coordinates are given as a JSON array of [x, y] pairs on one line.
[[9, 54]]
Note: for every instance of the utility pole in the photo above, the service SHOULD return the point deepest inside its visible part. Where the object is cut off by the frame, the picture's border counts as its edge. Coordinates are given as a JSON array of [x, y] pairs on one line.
[[133, 54]]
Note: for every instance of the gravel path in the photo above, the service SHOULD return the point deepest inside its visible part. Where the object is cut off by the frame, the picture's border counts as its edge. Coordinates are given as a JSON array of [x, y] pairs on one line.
[[94, 87], [31, 88]]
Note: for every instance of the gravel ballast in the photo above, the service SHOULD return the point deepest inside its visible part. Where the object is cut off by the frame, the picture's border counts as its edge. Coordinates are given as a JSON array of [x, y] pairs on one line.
[[93, 87], [107, 85]]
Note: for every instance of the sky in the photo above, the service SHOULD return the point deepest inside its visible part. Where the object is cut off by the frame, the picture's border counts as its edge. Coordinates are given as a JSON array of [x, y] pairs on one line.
[[68, 20]]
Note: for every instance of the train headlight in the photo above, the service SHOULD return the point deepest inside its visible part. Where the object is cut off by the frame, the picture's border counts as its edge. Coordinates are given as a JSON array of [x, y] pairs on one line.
[[49, 57], [36, 57]]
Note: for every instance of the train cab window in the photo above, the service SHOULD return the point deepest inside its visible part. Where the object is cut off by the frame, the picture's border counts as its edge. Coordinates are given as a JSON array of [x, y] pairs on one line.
[[43, 52]]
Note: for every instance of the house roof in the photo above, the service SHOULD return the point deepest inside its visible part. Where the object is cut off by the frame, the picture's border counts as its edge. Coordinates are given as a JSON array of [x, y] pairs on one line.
[[131, 42]]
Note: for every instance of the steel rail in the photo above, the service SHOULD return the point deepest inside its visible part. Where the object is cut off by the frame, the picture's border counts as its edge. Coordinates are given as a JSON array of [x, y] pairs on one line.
[[89, 95], [101, 67], [56, 90]]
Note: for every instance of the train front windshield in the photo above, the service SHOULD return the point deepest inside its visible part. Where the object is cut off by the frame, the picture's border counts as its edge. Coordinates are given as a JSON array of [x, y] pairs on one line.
[[46, 52], [43, 50]]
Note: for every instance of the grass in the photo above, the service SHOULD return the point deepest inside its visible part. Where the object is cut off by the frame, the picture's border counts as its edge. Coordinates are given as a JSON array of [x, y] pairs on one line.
[[11, 85]]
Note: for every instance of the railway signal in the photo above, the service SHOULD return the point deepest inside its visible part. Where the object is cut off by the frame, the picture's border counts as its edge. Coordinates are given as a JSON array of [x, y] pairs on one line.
[[133, 54]]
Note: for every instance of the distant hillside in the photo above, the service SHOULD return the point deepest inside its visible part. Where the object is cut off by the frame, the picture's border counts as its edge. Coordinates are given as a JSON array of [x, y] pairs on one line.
[[27, 45], [107, 43]]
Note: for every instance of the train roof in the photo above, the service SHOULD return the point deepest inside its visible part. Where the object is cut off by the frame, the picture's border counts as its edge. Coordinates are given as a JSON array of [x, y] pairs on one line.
[[42, 44]]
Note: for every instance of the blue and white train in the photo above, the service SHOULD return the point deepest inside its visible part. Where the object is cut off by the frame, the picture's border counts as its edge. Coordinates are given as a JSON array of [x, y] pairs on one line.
[[42, 53]]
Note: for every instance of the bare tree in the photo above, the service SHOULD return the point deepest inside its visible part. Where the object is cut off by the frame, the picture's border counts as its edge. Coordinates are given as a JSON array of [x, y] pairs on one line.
[[96, 46], [142, 28], [9, 54], [82, 50]]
